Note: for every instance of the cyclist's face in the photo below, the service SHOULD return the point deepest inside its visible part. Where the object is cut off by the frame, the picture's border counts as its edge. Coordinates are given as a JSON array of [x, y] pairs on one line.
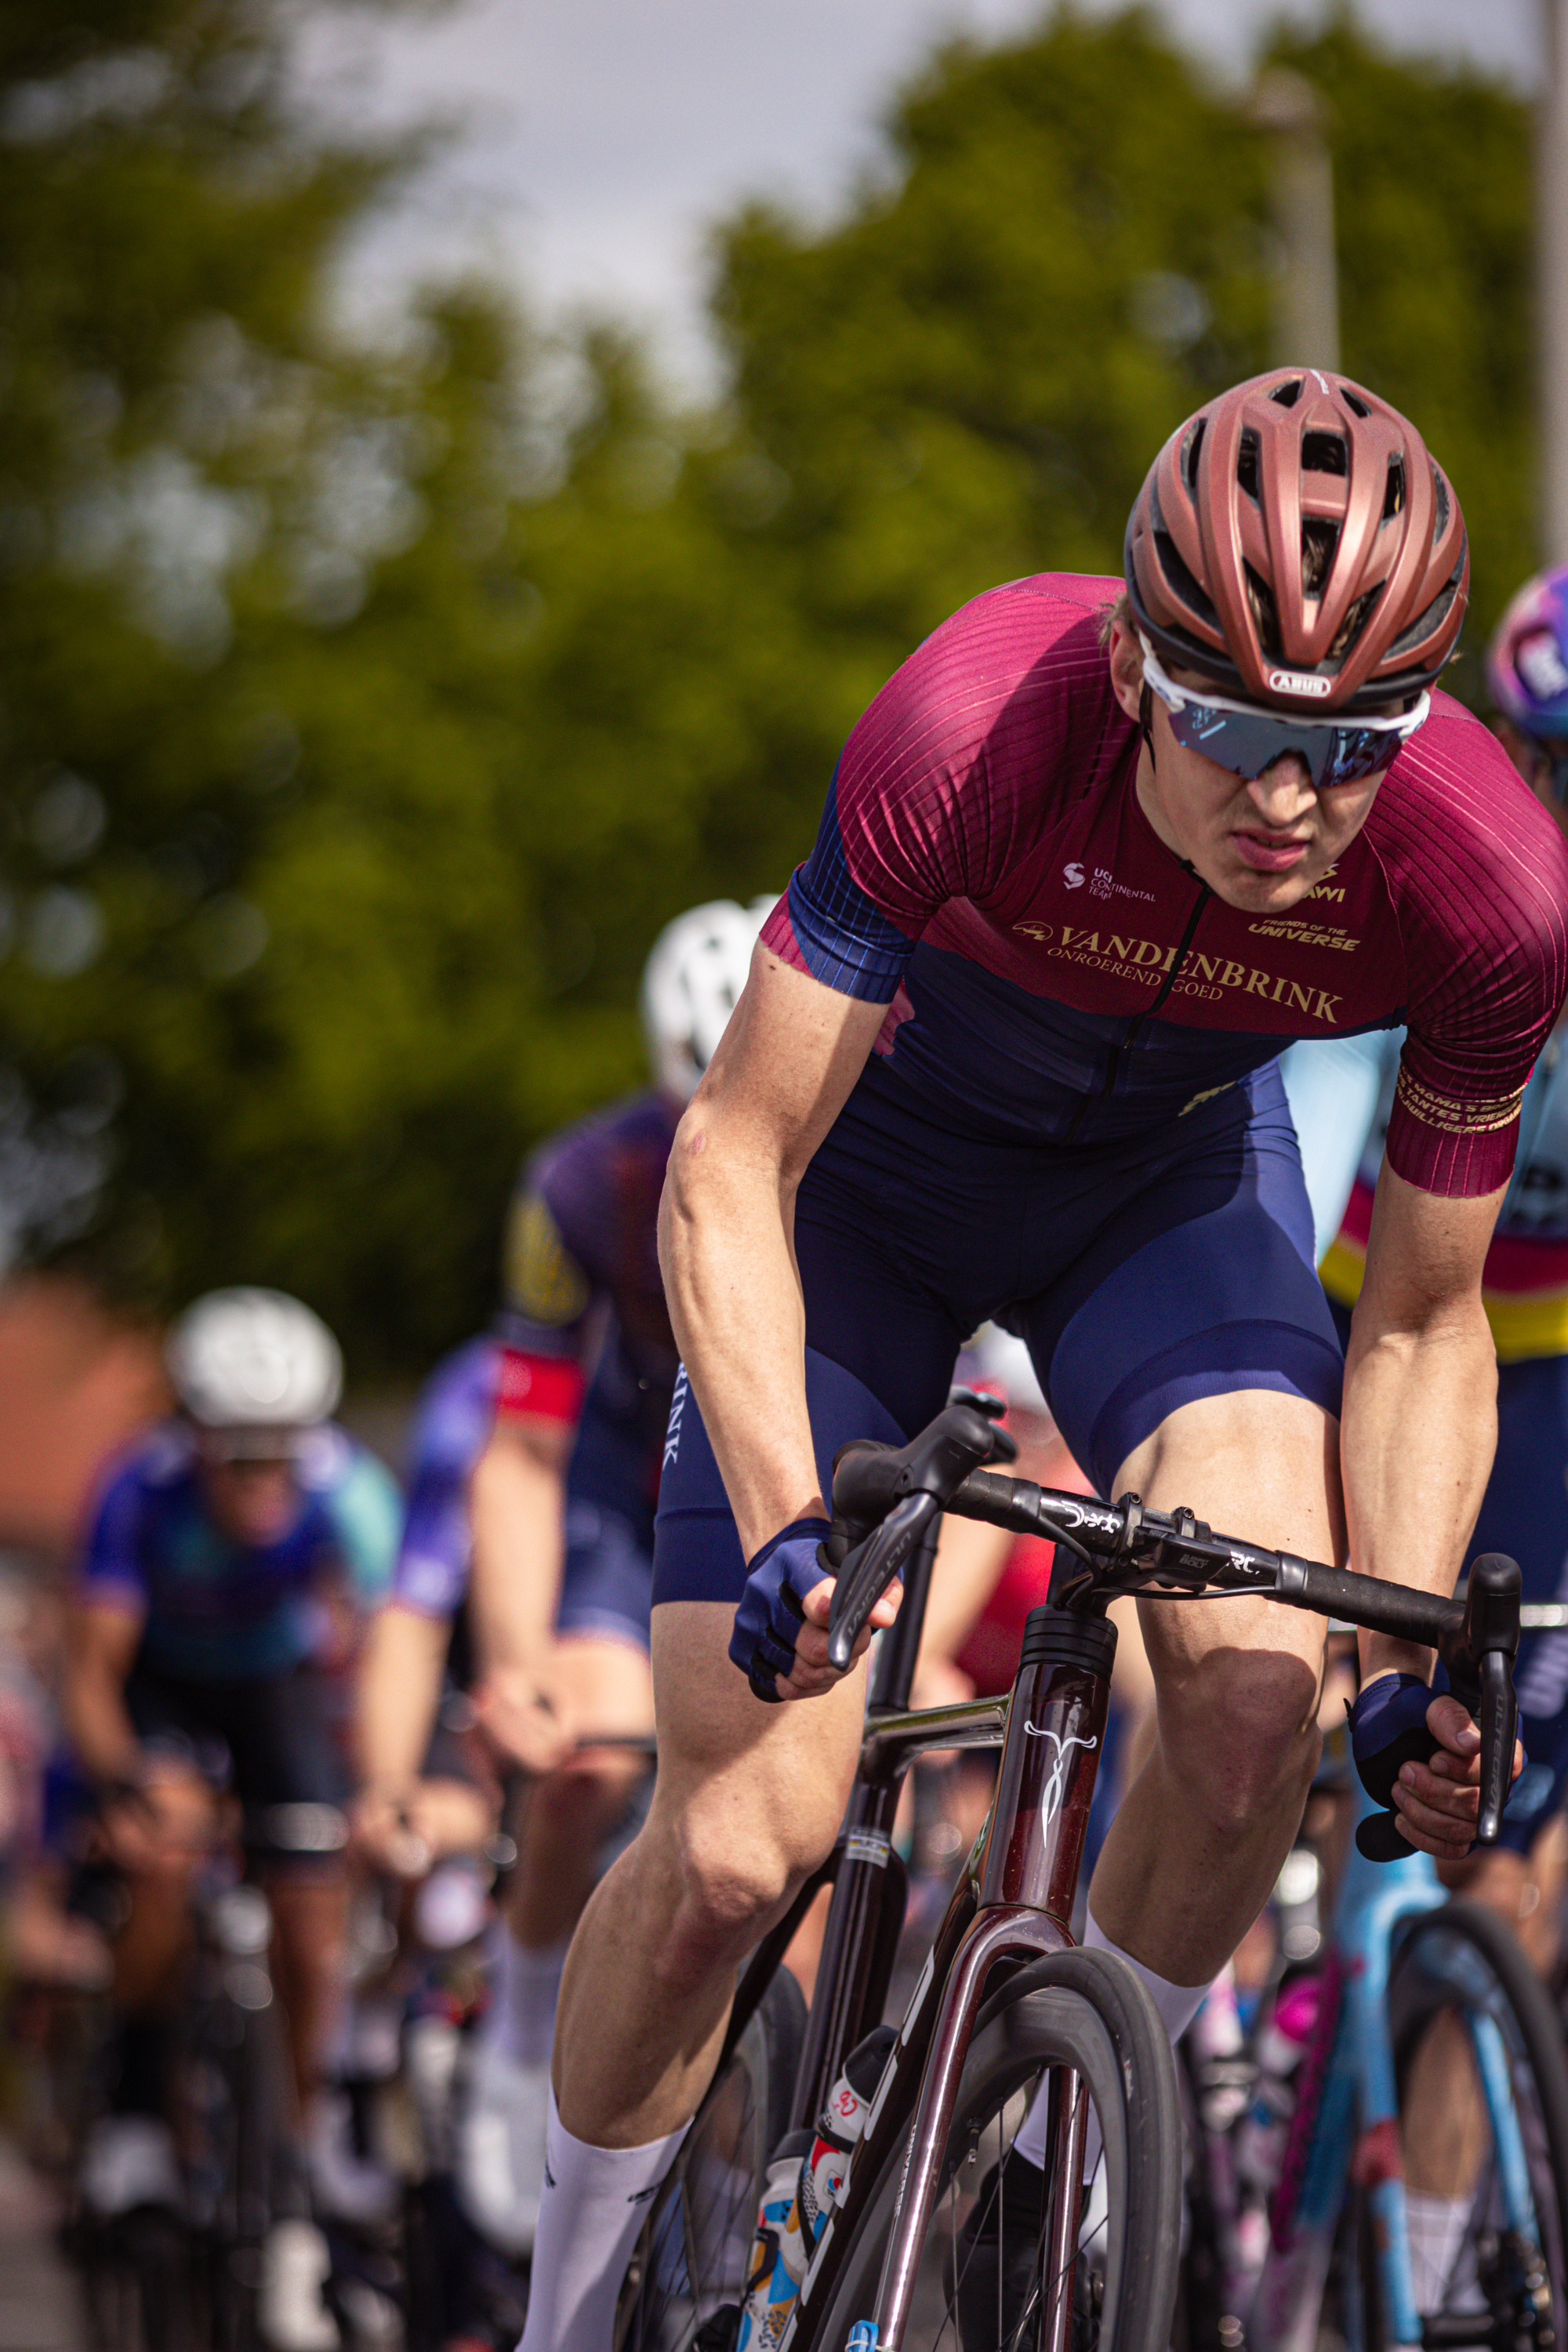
[[251, 1501], [1262, 846]]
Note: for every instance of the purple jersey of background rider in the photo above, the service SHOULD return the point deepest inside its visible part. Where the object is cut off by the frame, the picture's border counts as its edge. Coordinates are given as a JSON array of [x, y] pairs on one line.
[[583, 1339], [456, 1413]]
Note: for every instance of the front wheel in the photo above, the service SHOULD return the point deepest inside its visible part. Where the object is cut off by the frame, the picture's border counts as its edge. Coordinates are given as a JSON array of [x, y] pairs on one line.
[[1089, 2012], [691, 2261]]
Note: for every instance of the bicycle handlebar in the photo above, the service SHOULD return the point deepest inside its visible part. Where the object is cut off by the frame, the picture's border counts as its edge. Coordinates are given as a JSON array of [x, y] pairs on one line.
[[885, 1499]]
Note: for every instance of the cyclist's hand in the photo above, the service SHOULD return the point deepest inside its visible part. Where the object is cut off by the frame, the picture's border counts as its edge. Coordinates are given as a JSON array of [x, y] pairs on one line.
[[780, 1641], [386, 1834], [1420, 1757], [131, 1832], [1437, 1800], [522, 1719]]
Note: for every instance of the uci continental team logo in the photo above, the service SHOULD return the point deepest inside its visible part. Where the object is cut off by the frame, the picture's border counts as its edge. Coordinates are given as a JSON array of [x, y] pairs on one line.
[[1073, 876]]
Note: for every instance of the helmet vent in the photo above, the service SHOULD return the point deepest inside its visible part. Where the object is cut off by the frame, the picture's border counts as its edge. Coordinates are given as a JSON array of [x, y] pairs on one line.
[[1394, 495], [1185, 586], [1354, 622], [1323, 453], [1353, 402], [1246, 463], [1439, 505], [1319, 541], [1189, 447], [1265, 613], [1289, 392], [1428, 623]]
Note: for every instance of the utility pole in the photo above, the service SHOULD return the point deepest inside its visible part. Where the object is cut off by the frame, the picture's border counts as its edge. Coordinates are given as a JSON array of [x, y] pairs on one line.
[[1552, 280], [1306, 297]]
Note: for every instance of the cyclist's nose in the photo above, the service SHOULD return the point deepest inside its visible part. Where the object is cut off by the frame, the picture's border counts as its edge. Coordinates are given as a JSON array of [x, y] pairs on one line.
[[1283, 792]]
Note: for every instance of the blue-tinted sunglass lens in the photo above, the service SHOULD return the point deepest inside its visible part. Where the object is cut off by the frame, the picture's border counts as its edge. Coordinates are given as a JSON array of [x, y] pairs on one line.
[[1248, 746]]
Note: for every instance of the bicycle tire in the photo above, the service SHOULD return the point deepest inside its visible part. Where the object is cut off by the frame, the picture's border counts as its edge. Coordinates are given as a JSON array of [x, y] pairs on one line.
[[1421, 1985], [690, 2260], [1092, 2011]]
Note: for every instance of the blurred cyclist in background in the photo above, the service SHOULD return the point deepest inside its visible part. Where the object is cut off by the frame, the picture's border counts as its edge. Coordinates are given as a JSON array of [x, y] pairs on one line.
[[554, 1550], [1524, 1288], [227, 1557]]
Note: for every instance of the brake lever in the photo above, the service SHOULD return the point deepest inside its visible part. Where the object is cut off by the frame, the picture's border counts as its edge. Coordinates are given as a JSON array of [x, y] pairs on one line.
[[1479, 1657], [1499, 1725], [869, 1568]]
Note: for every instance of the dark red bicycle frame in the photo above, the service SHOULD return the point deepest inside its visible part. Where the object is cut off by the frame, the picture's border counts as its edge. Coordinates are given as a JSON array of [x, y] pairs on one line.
[[1013, 1904]]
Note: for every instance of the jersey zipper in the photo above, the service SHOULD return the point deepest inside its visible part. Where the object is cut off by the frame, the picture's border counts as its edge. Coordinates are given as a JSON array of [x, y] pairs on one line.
[[1113, 1067]]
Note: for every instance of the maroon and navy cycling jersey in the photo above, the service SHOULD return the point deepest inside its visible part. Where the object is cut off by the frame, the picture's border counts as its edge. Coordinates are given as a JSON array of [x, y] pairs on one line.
[[1054, 973]]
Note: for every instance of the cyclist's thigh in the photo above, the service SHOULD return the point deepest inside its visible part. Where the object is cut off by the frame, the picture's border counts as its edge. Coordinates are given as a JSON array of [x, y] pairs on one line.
[[1256, 1463], [606, 1683], [1200, 1285], [697, 1551], [741, 1784], [1192, 1357]]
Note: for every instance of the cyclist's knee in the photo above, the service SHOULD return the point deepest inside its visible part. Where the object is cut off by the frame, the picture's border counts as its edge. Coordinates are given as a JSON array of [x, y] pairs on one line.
[[736, 1876], [1242, 1736]]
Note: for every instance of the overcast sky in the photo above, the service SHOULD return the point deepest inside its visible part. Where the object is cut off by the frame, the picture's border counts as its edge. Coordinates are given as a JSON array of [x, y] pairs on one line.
[[602, 135]]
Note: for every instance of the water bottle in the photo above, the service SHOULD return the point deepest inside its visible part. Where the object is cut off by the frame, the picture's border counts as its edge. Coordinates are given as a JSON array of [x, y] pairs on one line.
[[805, 2181]]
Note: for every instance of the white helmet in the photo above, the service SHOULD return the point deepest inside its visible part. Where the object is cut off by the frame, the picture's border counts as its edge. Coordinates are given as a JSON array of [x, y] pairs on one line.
[[690, 986], [255, 1365]]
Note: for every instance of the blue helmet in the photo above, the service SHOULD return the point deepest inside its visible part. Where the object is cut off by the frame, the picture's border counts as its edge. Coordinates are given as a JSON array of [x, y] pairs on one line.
[[1527, 667]]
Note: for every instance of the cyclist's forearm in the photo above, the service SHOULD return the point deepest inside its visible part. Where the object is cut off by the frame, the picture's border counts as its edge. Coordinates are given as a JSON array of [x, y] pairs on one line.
[[516, 1505], [1417, 1440], [100, 1727], [739, 1322], [399, 1692]]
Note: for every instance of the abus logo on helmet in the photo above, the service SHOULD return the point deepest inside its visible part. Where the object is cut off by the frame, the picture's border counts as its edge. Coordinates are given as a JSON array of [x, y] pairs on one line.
[[1298, 681]]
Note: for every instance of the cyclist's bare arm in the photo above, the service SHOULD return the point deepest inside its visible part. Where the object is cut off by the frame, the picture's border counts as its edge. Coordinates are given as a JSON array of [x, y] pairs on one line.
[[1420, 1426], [517, 1502], [788, 1061], [399, 1692], [100, 1647]]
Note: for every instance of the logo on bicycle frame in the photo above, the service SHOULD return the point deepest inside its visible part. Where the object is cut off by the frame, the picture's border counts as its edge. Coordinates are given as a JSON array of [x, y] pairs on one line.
[[1051, 1794]]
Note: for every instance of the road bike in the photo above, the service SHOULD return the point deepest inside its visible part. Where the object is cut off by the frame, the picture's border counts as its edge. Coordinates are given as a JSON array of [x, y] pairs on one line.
[[1005, 2008]]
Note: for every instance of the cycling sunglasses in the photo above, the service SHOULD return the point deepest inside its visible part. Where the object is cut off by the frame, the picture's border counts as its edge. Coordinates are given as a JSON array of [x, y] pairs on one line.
[[1248, 741]]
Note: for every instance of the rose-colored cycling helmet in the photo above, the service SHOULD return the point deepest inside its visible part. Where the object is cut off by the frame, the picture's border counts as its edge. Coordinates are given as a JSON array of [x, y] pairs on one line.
[[1295, 544]]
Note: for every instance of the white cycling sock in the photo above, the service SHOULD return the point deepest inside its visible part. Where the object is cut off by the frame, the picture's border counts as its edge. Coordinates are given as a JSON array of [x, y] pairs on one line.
[[1177, 2005], [525, 1986], [1437, 2227], [592, 2206]]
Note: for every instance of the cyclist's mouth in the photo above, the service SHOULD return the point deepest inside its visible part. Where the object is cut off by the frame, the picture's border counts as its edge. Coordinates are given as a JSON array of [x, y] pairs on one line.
[[1269, 853]]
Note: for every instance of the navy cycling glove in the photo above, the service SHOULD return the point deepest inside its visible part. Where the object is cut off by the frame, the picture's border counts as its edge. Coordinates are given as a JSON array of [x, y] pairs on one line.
[[1388, 1729], [789, 1565]]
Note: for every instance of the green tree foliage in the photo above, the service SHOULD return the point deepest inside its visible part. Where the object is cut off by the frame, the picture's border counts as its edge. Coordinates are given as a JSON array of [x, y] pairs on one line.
[[358, 737], [367, 710], [965, 377]]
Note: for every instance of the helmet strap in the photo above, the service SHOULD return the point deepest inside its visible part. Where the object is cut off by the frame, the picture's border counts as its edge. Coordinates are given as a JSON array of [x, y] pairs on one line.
[[1146, 718]]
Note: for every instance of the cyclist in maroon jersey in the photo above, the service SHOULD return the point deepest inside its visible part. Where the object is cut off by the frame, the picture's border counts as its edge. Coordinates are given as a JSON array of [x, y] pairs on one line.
[[1097, 852]]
